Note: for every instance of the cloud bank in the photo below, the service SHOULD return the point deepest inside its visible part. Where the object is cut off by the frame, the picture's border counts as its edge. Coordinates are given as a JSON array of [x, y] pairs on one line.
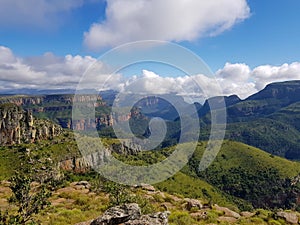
[[52, 72], [185, 20]]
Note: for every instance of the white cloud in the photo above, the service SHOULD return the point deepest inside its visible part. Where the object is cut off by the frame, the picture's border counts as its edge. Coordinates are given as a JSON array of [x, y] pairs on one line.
[[234, 72], [50, 72], [180, 20], [6, 55], [38, 13], [266, 74], [241, 80]]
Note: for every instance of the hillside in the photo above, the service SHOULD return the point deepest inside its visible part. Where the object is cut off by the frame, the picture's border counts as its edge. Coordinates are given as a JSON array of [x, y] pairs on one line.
[[262, 120], [268, 119], [241, 178], [250, 174]]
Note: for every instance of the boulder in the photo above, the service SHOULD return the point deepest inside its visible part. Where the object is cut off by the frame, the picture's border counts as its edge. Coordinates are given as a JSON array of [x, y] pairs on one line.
[[201, 215], [119, 214], [289, 217], [148, 187], [227, 212], [129, 214], [193, 203], [160, 218], [247, 214]]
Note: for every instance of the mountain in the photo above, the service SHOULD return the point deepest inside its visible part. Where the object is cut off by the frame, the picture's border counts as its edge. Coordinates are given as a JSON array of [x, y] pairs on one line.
[[267, 101], [248, 173], [218, 102], [262, 120], [268, 119]]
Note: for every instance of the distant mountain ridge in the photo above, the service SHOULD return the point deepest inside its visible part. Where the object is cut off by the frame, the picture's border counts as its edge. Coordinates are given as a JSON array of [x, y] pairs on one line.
[[269, 119]]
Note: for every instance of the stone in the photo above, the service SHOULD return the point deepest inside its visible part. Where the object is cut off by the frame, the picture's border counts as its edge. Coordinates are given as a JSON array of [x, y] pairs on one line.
[[148, 187], [227, 212], [119, 215], [193, 203], [289, 217], [200, 215], [83, 183], [129, 214], [247, 214], [160, 218]]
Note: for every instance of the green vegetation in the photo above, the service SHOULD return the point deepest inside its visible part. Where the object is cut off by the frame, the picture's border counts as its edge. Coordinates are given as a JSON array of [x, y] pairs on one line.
[[31, 188], [250, 174], [238, 179]]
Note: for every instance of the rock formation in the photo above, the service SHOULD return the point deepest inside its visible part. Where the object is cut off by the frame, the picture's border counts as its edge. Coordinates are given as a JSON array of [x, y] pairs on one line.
[[18, 126], [93, 160], [129, 214], [77, 165]]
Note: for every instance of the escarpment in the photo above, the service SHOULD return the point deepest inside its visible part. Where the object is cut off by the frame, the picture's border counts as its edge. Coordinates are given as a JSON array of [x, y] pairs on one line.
[[19, 126]]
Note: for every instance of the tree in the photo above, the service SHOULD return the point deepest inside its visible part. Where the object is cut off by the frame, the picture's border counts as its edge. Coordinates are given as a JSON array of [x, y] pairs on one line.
[[31, 188]]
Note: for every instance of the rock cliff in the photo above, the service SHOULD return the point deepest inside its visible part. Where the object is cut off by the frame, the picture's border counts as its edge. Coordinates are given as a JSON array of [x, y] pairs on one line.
[[84, 164], [19, 126]]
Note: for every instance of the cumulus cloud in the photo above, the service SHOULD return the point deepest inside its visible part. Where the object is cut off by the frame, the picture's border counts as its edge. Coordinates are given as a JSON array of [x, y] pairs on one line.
[[241, 80], [266, 74], [47, 71], [181, 20], [36, 12], [53, 72]]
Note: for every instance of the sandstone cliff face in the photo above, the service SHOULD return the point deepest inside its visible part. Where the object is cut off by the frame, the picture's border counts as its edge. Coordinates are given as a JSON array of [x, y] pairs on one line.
[[86, 163], [18, 126], [77, 165], [92, 123], [23, 100]]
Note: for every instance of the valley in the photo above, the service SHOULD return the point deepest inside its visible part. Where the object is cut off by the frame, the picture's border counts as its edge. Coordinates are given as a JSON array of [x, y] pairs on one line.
[[256, 174]]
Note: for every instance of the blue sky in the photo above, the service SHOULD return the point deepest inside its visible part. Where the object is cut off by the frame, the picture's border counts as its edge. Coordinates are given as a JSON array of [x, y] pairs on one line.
[[259, 35], [269, 36]]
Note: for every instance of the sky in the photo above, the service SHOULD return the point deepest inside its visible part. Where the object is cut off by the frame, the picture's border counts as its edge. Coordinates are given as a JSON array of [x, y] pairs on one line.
[[49, 44]]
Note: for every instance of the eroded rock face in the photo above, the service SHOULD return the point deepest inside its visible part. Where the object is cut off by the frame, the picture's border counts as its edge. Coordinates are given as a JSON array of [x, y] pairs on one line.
[[97, 158], [18, 126], [77, 165], [129, 214], [126, 148]]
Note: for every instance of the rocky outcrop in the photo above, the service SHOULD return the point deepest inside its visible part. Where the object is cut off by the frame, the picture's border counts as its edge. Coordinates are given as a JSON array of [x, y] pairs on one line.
[[227, 212], [91, 123], [93, 160], [160, 218], [193, 204], [126, 148], [18, 126], [129, 214], [56, 105], [67, 99], [77, 165]]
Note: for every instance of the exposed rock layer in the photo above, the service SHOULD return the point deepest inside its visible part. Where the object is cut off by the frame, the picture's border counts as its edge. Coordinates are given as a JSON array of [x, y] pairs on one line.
[[18, 126]]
